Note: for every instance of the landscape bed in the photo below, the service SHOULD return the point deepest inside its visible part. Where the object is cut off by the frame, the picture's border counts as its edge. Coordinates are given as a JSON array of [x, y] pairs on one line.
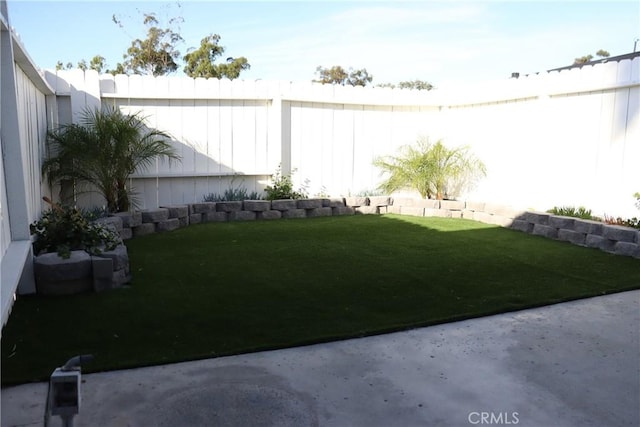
[[218, 289]]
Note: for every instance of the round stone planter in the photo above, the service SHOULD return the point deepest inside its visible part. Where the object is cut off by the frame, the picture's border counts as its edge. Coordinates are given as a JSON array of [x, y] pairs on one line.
[[58, 276], [81, 272]]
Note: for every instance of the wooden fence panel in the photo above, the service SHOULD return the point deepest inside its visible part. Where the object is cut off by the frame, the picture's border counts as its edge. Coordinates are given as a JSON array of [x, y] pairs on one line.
[[555, 138]]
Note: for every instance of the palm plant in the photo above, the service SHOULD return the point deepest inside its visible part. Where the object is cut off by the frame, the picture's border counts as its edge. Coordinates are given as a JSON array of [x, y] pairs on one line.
[[103, 150], [432, 169]]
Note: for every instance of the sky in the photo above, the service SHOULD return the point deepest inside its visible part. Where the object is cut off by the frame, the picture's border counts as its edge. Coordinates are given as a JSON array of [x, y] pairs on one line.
[[442, 42]]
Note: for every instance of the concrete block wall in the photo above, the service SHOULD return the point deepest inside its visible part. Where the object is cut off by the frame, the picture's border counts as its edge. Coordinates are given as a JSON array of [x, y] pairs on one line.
[[610, 238]]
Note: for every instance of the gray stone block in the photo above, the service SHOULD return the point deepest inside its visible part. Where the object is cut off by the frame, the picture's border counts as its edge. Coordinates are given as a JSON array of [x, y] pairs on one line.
[[294, 213], [256, 205], [242, 216], [619, 233], [58, 276], [144, 229], [155, 215], [483, 217], [561, 222], [215, 217], [284, 204], [119, 257], [625, 248], [545, 231], [129, 219], [184, 221], [599, 242], [367, 210], [343, 210], [410, 210], [356, 201], [468, 214], [269, 215], [309, 204], [311, 213], [120, 277], [195, 218], [522, 225], [572, 236], [177, 211], [440, 213], [537, 218], [115, 223], [426, 203], [452, 205], [588, 226], [502, 221], [126, 233], [393, 209], [229, 206], [504, 211], [402, 201], [168, 225], [475, 206], [102, 269], [379, 201], [456, 214], [335, 202], [202, 208]]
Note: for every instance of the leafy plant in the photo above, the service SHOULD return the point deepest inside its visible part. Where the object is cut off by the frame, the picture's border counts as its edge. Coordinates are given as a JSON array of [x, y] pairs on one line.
[[629, 222], [370, 193], [637, 196], [66, 228], [232, 194], [432, 169], [282, 187], [103, 150], [580, 212]]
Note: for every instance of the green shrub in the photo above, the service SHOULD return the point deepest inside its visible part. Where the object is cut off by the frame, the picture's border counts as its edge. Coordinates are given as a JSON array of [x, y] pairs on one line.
[[628, 222], [231, 195], [580, 212], [63, 229], [282, 187]]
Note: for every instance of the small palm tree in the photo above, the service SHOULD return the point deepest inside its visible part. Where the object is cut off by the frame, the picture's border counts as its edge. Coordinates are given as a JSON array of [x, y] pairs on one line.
[[432, 169], [103, 150]]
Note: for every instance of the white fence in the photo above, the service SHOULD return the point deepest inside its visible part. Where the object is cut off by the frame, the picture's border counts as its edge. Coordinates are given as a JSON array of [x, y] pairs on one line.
[[561, 138], [27, 104]]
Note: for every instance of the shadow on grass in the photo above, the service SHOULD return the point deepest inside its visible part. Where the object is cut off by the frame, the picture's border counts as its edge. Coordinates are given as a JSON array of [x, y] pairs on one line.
[[226, 288]]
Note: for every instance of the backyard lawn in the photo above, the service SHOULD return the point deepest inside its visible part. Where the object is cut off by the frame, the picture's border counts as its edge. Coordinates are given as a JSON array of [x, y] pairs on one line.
[[225, 288]]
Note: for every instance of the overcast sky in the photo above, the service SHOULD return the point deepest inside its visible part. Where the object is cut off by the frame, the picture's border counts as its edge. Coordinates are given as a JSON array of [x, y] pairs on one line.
[[442, 42]]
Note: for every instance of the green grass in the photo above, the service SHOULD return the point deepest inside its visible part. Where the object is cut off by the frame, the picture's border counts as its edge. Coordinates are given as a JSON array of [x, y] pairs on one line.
[[228, 288]]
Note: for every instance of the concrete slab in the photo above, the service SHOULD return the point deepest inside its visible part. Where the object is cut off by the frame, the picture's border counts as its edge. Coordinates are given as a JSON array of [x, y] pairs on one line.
[[571, 364]]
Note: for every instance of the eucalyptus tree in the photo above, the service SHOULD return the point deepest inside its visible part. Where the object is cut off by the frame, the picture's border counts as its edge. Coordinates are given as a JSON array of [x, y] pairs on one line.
[[103, 150], [201, 62], [340, 76], [432, 169]]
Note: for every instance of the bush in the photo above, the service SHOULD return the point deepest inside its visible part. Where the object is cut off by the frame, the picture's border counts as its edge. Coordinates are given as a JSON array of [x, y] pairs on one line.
[[580, 212], [231, 195], [629, 222], [63, 229], [282, 187]]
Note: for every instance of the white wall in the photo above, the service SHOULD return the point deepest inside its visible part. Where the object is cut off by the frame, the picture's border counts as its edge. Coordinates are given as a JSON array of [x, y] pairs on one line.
[[561, 138]]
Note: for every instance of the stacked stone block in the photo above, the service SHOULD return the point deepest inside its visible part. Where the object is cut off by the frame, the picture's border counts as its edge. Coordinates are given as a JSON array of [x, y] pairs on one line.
[[81, 272], [610, 238]]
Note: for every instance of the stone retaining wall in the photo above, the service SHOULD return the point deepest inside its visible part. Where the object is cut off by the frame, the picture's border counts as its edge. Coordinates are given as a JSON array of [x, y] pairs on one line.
[[610, 238]]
